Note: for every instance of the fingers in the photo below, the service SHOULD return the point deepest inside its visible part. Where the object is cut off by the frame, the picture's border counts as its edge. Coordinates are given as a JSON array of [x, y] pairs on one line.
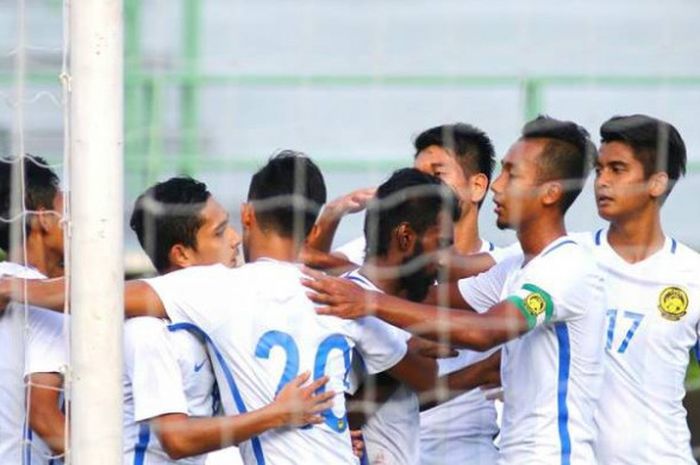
[[320, 298], [323, 406], [312, 273], [317, 383], [301, 379]]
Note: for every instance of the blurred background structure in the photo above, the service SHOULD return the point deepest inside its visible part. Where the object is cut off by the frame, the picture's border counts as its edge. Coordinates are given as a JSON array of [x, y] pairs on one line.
[[213, 87]]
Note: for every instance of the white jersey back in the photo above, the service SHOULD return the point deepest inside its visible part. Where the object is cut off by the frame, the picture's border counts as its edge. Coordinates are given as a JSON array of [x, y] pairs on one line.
[[164, 372], [462, 429], [32, 342], [551, 375], [263, 331], [390, 433], [653, 315]]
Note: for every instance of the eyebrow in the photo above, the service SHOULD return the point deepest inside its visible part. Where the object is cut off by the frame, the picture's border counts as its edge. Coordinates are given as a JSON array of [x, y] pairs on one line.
[[223, 223]]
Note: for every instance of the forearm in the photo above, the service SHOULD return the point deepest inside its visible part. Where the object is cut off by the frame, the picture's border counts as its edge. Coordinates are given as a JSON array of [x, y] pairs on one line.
[[447, 387], [45, 416], [462, 328], [184, 436], [323, 232], [49, 294], [50, 426]]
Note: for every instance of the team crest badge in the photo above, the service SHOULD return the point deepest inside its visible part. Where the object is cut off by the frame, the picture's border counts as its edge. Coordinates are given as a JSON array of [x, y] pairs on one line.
[[535, 304], [673, 303]]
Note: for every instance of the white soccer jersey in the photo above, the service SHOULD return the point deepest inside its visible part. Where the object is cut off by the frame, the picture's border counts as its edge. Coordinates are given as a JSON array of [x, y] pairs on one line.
[[353, 250], [551, 375], [653, 315], [263, 331], [462, 429], [43, 351], [390, 433], [164, 372]]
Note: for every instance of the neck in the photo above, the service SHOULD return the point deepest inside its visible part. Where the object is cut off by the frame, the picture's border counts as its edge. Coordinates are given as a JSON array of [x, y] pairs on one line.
[[467, 240], [638, 236], [270, 245], [382, 273], [535, 235], [39, 256]]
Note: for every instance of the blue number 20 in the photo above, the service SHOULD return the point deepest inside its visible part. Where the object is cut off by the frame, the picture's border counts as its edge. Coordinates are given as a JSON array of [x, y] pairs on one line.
[[612, 317], [291, 368]]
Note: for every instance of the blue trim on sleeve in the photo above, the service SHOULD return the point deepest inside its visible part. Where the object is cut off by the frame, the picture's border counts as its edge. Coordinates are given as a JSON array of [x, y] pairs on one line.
[[491, 247], [240, 405], [697, 351], [142, 445], [597, 236], [562, 390], [566, 242], [674, 245]]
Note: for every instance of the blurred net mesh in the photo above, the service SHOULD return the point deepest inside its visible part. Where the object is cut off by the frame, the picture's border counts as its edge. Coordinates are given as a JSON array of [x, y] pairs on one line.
[[218, 93], [34, 122]]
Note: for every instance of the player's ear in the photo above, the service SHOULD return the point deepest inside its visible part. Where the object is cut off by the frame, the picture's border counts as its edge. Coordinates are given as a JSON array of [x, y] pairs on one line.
[[247, 215], [478, 185], [180, 256], [552, 192], [658, 184], [405, 237]]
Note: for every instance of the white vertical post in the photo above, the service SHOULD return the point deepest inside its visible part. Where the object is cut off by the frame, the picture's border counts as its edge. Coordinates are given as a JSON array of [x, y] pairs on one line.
[[96, 229]]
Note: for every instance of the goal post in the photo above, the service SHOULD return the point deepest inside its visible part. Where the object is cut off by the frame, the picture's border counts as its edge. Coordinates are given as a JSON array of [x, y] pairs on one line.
[[96, 230]]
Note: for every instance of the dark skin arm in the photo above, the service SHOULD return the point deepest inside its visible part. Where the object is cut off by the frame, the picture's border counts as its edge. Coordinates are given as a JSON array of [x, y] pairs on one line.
[[295, 405], [45, 416], [331, 263], [480, 332], [465, 266]]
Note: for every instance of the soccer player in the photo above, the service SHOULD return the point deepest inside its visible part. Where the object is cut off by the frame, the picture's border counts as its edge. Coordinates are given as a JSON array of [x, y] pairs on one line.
[[168, 379], [35, 434], [411, 225], [462, 156], [653, 298], [543, 305]]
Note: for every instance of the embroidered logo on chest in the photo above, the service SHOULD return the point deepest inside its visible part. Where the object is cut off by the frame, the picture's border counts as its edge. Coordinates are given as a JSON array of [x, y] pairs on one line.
[[673, 303]]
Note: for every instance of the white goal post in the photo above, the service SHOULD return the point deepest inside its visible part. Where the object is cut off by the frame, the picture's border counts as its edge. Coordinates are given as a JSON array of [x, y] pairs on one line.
[[95, 230]]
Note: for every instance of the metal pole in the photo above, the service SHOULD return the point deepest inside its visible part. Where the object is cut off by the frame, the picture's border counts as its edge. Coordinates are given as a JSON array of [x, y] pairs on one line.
[[96, 204]]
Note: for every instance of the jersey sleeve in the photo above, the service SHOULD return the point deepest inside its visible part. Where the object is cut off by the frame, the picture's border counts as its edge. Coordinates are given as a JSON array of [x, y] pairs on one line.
[[353, 250], [189, 295], [559, 286], [150, 365], [46, 348], [380, 344], [500, 254], [484, 290]]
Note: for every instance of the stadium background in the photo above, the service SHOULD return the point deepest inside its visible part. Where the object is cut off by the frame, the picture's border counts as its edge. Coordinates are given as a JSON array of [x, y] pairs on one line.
[[213, 87]]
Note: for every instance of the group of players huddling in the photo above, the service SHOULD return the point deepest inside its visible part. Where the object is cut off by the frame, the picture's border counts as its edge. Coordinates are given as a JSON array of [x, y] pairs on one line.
[[385, 351]]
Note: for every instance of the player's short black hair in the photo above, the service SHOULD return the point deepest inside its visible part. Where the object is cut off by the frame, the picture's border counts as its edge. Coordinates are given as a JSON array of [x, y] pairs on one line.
[[472, 147], [288, 193], [567, 156], [657, 144], [408, 196], [166, 214], [41, 184]]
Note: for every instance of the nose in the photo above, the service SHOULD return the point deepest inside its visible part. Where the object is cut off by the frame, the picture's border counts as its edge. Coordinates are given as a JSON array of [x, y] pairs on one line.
[[497, 184]]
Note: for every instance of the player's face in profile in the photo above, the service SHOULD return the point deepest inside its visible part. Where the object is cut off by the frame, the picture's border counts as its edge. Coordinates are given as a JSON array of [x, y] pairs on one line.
[[217, 241], [620, 186], [54, 227], [443, 164], [420, 269], [516, 187]]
